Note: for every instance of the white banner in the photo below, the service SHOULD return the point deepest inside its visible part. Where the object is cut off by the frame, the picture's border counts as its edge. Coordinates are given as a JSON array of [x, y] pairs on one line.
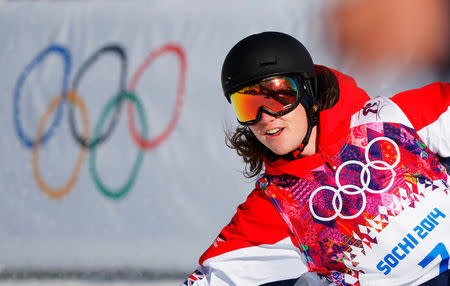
[[154, 183]]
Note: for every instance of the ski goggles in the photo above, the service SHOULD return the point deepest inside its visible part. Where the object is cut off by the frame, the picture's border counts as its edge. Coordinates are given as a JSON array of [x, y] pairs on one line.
[[275, 96]]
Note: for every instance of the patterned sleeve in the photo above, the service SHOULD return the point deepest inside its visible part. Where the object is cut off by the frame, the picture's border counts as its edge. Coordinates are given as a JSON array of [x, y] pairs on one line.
[[428, 109], [255, 248]]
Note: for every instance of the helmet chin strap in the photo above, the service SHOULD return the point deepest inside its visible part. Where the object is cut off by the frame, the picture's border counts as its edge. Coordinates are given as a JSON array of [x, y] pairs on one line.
[[296, 153]]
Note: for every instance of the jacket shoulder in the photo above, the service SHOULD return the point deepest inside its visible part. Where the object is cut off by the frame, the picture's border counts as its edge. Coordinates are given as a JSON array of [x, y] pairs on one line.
[[380, 109]]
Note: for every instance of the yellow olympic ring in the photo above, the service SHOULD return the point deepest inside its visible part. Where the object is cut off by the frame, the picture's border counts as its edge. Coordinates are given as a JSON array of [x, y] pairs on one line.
[[57, 193]]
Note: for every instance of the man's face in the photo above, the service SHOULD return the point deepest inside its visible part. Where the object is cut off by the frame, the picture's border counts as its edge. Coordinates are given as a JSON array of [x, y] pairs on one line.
[[282, 134]]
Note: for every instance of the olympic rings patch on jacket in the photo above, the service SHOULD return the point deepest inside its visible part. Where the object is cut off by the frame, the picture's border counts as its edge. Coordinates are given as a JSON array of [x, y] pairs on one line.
[[365, 177]]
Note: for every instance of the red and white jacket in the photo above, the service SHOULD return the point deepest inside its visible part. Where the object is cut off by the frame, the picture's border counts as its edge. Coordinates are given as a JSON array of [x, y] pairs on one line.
[[372, 207]]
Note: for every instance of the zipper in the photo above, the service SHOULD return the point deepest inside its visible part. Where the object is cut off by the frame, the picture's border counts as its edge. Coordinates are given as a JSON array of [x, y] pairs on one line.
[[329, 162]]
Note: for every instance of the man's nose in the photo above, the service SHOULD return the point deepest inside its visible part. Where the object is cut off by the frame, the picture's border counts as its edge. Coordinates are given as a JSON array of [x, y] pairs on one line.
[[266, 117]]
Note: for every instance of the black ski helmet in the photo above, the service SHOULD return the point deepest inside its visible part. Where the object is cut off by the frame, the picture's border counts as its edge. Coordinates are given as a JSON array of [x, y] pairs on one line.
[[269, 54], [263, 55]]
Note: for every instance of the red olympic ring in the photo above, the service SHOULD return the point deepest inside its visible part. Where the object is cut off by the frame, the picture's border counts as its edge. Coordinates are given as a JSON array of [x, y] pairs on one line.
[[144, 143]]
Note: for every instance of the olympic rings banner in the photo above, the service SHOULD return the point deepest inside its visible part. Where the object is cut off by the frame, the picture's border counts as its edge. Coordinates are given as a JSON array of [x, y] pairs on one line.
[[113, 121], [112, 149], [71, 95]]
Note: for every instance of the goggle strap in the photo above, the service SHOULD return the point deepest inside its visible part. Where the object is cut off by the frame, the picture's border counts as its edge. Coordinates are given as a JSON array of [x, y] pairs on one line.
[[308, 100]]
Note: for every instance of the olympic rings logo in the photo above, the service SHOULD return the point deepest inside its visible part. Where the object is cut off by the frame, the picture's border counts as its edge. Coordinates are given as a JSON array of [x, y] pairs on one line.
[[365, 178], [71, 96]]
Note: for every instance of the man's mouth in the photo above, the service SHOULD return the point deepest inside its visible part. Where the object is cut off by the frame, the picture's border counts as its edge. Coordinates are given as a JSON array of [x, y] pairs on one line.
[[274, 131]]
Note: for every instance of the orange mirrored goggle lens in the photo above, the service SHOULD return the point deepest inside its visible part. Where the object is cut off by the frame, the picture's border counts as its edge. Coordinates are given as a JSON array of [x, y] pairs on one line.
[[275, 96]]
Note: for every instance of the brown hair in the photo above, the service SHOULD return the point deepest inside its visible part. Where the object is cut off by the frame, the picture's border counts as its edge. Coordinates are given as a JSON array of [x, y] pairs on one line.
[[248, 146]]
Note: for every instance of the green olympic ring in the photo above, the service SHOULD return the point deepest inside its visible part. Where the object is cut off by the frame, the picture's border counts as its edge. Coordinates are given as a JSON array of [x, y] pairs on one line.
[[117, 194]]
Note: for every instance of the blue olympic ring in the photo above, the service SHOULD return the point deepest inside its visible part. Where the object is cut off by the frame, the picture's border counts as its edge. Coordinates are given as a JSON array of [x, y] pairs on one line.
[[40, 57]]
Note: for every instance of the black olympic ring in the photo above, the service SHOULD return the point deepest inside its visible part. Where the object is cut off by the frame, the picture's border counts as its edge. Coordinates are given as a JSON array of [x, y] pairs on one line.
[[122, 90]]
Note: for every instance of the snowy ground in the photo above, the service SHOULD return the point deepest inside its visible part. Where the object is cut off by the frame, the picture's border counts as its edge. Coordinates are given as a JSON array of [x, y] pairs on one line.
[[55, 282]]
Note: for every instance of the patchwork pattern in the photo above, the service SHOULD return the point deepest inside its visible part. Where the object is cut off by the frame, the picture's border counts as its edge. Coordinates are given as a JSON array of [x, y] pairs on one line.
[[336, 216]]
